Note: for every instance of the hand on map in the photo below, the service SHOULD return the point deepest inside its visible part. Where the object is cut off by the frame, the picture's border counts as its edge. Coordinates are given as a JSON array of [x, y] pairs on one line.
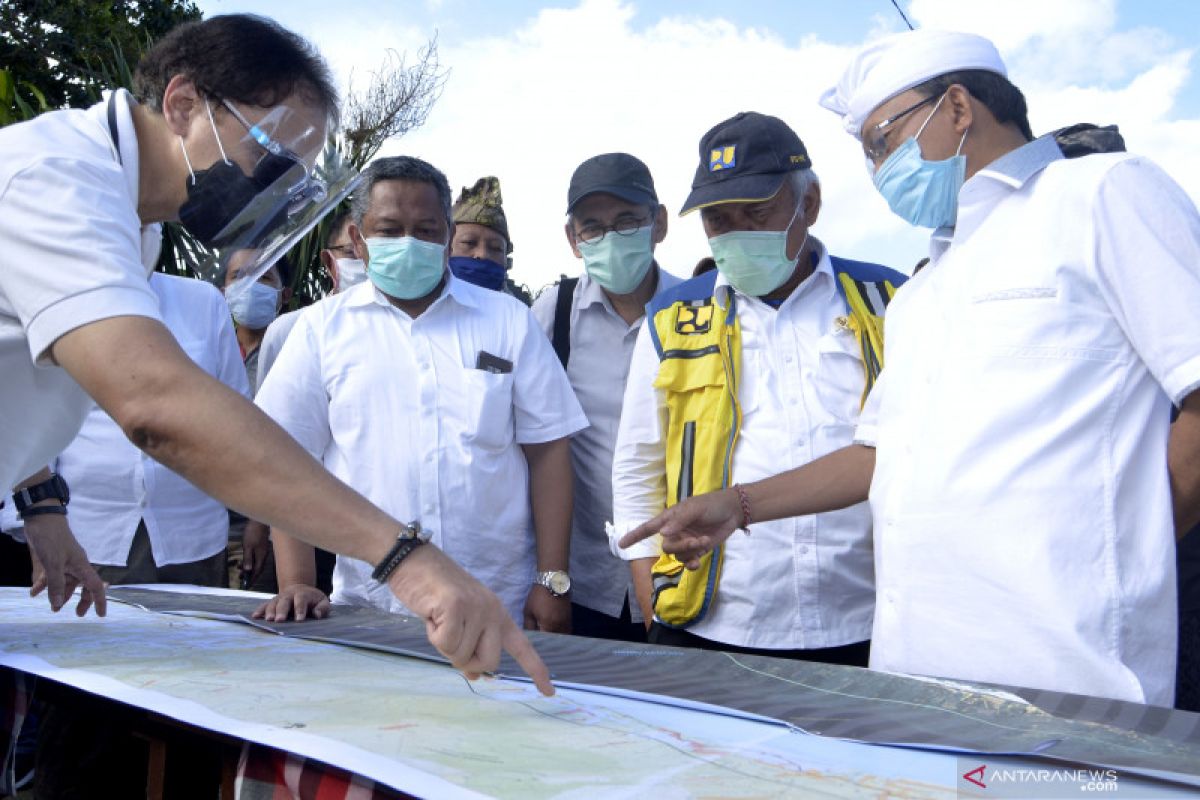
[[256, 548], [297, 602], [463, 619], [61, 565], [545, 612], [693, 527]]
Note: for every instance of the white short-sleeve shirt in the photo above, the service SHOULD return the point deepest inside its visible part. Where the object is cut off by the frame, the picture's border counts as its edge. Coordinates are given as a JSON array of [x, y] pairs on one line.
[[397, 408], [114, 485], [73, 252], [1022, 507]]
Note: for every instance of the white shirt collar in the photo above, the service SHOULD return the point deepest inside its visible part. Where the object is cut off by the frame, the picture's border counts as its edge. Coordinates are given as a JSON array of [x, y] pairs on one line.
[[462, 292]]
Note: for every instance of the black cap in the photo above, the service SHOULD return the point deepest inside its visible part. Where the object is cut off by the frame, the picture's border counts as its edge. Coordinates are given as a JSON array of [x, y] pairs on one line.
[[745, 159], [618, 174]]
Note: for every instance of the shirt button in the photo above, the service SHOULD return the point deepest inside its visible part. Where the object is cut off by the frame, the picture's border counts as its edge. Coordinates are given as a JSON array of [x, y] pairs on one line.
[[788, 359], [795, 401], [804, 550]]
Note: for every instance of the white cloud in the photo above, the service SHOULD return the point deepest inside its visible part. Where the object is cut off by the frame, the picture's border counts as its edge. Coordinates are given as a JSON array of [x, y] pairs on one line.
[[528, 104]]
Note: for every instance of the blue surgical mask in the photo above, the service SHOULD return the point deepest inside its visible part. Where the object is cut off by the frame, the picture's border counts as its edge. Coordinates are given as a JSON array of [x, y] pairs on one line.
[[925, 193], [619, 262], [254, 306], [405, 267], [479, 271], [755, 262], [351, 272]]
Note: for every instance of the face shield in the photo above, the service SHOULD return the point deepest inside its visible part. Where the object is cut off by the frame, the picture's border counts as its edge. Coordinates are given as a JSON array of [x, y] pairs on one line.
[[295, 181]]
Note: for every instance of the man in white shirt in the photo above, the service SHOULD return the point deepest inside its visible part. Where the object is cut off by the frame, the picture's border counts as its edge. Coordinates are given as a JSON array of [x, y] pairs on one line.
[[345, 270], [614, 222], [230, 111], [1024, 483], [436, 399], [138, 521], [782, 384]]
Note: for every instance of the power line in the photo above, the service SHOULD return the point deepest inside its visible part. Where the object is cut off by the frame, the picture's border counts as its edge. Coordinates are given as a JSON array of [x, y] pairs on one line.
[[900, 11]]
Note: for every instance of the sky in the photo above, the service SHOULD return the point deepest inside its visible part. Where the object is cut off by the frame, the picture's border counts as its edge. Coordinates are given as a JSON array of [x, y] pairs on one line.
[[535, 88]]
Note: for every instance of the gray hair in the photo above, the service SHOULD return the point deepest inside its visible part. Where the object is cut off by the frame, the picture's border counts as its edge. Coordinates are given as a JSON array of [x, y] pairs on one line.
[[801, 181], [399, 168]]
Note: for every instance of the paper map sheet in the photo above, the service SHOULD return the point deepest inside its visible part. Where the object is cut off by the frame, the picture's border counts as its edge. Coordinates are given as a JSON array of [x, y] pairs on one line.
[[834, 701]]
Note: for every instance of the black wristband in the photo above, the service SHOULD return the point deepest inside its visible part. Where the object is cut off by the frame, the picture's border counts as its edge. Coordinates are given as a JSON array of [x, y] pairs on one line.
[[400, 551], [410, 537], [34, 511]]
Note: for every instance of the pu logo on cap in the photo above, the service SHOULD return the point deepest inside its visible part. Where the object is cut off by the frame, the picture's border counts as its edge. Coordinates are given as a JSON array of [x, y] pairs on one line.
[[722, 158]]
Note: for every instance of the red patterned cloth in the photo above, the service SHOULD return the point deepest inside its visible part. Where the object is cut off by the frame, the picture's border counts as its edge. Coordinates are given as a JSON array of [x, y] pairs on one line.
[[265, 773]]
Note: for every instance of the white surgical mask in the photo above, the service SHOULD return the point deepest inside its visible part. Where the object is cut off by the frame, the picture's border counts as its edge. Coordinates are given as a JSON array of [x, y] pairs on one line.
[[350, 272]]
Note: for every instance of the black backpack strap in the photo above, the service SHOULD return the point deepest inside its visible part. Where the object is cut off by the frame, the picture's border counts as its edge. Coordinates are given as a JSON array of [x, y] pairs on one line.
[[562, 320], [112, 125]]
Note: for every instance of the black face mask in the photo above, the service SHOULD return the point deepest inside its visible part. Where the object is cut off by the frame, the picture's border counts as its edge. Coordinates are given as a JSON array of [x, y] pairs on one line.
[[216, 195]]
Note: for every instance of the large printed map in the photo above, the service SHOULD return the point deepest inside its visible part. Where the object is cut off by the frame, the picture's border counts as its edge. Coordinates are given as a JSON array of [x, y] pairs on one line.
[[421, 727]]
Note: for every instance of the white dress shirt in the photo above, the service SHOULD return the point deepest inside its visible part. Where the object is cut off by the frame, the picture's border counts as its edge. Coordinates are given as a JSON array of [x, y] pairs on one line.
[[114, 485], [397, 409], [800, 583], [601, 348], [73, 252], [277, 333], [1021, 499]]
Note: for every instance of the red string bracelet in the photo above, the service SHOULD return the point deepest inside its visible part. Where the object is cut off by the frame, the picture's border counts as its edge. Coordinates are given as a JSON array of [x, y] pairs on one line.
[[745, 502]]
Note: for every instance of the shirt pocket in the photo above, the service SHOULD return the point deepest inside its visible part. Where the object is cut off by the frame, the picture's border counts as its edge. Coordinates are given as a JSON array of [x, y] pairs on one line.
[[1035, 322], [839, 378], [489, 404]]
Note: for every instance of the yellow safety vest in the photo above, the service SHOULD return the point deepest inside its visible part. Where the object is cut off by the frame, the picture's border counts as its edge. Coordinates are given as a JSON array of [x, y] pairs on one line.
[[699, 346]]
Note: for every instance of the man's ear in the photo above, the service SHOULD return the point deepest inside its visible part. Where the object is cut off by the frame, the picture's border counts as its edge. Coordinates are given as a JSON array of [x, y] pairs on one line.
[[359, 242], [567, 229], [181, 101], [961, 109], [660, 224], [330, 263]]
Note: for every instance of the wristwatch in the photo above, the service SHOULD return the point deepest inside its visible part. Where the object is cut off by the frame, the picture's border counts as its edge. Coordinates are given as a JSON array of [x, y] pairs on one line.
[[556, 581], [53, 487], [411, 537]]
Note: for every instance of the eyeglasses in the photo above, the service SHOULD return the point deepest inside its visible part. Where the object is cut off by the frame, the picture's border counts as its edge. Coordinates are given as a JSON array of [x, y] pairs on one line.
[[277, 162], [874, 141], [342, 250], [625, 226]]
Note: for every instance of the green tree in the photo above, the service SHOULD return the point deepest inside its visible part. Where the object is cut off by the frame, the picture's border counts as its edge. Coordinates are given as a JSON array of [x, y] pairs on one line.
[[62, 46]]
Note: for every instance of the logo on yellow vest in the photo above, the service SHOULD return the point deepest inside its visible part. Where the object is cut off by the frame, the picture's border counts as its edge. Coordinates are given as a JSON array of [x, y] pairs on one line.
[[694, 319]]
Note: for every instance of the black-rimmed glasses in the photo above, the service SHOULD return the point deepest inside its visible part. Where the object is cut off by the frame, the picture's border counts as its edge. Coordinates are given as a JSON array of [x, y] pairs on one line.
[[874, 141], [625, 226]]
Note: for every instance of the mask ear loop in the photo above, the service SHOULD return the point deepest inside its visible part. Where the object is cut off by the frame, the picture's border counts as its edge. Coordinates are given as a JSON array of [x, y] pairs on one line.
[[187, 160], [216, 135], [936, 106]]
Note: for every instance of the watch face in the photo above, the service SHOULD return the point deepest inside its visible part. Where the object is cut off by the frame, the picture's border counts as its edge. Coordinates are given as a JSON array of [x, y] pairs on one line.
[[560, 582]]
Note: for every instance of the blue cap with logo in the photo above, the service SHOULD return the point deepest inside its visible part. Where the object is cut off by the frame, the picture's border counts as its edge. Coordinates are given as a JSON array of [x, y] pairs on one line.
[[745, 159]]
